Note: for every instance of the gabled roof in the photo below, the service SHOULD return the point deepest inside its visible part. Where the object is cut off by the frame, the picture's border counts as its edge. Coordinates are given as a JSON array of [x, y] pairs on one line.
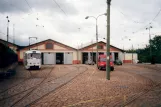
[[45, 41], [93, 44], [5, 42]]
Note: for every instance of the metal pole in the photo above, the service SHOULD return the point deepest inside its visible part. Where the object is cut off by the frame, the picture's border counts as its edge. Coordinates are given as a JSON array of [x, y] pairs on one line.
[[150, 41], [7, 29], [92, 52], [77, 55], [37, 43], [97, 43], [108, 41], [132, 53], [124, 57]]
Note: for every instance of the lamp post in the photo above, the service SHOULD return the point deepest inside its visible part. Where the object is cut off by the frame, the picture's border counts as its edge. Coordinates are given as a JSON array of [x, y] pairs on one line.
[[96, 18], [108, 41]]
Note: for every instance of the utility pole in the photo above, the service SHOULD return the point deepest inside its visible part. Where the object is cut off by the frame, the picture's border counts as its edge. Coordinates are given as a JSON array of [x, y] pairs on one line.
[[97, 43], [150, 39], [7, 29], [81, 53], [132, 54], [108, 41], [77, 55]]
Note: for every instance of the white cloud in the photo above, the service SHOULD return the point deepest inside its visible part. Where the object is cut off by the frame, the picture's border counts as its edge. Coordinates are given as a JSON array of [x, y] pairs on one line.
[[73, 29]]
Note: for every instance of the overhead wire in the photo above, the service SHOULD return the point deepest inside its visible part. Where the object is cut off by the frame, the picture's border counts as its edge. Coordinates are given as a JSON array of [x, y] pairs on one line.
[[157, 14], [5, 35], [28, 5], [2, 33], [140, 22], [130, 18], [59, 7], [150, 21]]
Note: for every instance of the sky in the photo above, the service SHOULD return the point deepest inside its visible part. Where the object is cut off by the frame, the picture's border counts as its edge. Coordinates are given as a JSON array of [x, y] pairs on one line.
[[64, 21]]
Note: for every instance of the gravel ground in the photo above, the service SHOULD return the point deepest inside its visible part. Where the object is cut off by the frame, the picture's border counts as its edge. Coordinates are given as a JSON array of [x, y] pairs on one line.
[[84, 86], [36, 84], [92, 89]]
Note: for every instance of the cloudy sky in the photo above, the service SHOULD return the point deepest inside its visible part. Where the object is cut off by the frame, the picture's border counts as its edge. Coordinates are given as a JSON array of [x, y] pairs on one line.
[[64, 21]]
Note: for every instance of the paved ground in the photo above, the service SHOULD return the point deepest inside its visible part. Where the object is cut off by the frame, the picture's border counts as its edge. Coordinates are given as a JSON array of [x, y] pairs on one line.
[[82, 85], [29, 86]]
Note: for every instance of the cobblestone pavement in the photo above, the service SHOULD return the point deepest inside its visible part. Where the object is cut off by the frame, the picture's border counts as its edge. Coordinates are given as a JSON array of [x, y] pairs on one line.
[[31, 86], [91, 89], [151, 97], [84, 86]]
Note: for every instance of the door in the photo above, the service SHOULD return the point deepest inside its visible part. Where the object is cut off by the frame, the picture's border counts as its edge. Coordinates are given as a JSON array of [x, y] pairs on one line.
[[49, 58], [42, 58], [94, 57], [68, 58], [59, 58], [116, 56], [84, 57]]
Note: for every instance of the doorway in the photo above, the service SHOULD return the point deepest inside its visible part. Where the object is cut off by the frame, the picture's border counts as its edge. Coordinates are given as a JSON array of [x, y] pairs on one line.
[[116, 56], [59, 58], [84, 57], [94, 56]]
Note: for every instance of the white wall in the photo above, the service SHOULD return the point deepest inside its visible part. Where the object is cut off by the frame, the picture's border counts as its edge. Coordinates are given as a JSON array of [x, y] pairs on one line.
[[130, 56], [121, 56]]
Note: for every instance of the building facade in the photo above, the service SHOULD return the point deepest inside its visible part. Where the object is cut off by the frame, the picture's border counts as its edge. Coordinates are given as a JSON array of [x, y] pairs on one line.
[[53, 52], [89, 52], [130, 58], [14, 47]]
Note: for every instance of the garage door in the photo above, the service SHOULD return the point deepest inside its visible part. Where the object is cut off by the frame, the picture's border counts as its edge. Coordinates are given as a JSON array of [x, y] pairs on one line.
[[68, 58], [49, 58]]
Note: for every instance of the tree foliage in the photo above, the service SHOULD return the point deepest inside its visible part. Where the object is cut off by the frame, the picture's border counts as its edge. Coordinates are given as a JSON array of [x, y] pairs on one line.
[[144, 54]]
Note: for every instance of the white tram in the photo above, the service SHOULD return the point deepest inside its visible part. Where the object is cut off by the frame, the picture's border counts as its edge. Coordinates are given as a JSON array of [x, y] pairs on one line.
[[32, 58]]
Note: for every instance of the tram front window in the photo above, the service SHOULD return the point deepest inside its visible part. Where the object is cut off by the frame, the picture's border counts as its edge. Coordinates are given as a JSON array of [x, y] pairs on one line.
[[34, 55]]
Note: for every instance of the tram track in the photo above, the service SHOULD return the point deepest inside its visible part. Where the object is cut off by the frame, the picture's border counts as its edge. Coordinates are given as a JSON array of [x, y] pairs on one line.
[[28, 105], [19, 84], [143, 92], [35, 87], [32, 89]]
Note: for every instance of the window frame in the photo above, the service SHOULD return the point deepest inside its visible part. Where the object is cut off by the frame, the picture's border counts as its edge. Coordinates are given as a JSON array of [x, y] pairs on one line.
[[47, 44], [100, 47]]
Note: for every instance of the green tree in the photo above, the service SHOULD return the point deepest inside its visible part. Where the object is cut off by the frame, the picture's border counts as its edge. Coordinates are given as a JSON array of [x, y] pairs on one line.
[[144, 54], [156, 48]]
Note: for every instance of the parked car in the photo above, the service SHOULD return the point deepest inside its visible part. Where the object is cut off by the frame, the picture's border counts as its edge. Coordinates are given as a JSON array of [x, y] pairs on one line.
[[118, 62], [102, 63]]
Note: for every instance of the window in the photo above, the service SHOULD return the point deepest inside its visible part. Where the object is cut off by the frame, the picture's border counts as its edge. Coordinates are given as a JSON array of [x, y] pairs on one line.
[[100, 46], [49, 46]]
